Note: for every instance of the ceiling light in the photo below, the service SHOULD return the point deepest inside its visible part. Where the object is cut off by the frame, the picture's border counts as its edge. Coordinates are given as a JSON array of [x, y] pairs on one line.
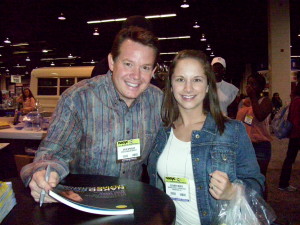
[[203, 38], [208, 48], [70, 56], [61, 16], [0, 54], [123, 19], [96, 32], [27, 59], [212, 54], [7, 70], [92, 61], [7, 41], [44, 50], [20, 44], [172, 38], [298, 35], [196, 25], [52, 64], [168, 53], [184, 4]]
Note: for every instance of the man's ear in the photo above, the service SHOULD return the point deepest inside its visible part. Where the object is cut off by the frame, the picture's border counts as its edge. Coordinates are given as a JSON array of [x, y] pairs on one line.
[[207, 88], [110, 62], [153, 71]]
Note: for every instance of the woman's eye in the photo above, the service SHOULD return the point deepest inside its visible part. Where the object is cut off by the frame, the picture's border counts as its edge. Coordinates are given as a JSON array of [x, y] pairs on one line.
[[179, 80], [198, 80]]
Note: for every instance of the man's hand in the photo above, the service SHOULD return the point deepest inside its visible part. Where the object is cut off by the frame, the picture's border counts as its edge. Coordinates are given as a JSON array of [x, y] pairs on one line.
[[38, 183], [220, 187]]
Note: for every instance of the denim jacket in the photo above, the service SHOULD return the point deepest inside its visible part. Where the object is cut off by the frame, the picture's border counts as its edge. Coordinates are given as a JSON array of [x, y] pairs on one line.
[[231, 152]]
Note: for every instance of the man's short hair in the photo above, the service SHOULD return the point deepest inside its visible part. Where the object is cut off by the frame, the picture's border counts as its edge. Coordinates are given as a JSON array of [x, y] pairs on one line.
[[136, 34]]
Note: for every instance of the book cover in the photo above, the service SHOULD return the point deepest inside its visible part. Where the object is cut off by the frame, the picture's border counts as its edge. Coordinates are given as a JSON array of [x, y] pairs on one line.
[[104, 200]]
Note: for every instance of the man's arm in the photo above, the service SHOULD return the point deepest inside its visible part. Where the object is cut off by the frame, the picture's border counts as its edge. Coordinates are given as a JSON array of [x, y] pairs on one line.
[[57, 147]]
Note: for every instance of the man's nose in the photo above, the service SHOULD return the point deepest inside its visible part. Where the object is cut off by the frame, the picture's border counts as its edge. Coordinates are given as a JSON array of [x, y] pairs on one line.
[[136, 73]]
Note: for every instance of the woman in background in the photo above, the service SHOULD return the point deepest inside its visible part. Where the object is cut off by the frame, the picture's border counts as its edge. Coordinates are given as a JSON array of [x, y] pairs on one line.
[[28, 101], [198, 154], [257, 119]]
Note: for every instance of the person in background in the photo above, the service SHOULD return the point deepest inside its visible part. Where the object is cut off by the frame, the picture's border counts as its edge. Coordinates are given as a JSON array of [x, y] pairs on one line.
[[294, 142], [276, 104], [102, 67], [227, 92], [197, 145], [28, 101], [95, 118], [256, 120]]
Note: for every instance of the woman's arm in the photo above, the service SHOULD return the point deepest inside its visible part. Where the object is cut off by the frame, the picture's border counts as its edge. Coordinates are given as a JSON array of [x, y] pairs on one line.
[[247, 168]]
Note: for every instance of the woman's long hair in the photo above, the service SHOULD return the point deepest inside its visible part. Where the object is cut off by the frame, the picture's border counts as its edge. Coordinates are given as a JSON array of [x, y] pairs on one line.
[[170, 110], [24, 96]]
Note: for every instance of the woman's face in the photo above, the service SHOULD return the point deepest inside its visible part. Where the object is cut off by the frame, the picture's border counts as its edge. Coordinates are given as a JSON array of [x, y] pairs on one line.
[[189, 84], [26, 92]]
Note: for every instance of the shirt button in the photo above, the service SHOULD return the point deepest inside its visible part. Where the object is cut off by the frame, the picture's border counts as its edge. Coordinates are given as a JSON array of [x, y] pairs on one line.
[[200, 187], [197, 136], [123, 172], [204, 213], [197, 159], [128, 131]]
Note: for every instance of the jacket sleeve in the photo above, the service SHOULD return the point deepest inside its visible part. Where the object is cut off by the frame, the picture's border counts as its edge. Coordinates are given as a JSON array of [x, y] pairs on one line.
[[247, 167], [62, 139]]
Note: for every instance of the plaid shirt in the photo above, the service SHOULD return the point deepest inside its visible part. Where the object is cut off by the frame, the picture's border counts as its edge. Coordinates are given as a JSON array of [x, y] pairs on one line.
[[89, 120]]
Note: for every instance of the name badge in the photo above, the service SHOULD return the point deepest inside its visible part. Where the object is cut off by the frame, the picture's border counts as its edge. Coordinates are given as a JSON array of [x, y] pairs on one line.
[[128, 150], [178, 188], [248, 119]]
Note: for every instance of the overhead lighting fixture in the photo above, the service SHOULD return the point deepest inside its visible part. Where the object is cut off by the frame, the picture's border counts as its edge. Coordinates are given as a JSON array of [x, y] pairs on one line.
[[44, 50], [203, 38], [52, 64], [61, 16], [70, 56], [172, 38], [168, 53], [208, 48], [27, 59], [298, 35], [96, 32], [123, 19], [160, 16], [0, 54], [7, 70], [184, 4], [20, 44], [92, 61], [212, 54], [196, 25], [7, 41]]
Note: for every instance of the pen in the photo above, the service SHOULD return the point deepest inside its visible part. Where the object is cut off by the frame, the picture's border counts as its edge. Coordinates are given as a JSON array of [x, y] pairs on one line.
[[43, 192]]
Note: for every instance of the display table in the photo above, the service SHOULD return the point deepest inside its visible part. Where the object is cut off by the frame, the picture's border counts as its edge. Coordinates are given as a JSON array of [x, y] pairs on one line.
[[12, 133], [151, 206]]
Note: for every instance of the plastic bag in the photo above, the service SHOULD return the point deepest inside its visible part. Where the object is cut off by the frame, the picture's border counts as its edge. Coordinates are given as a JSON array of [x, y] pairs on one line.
[[247, 208]]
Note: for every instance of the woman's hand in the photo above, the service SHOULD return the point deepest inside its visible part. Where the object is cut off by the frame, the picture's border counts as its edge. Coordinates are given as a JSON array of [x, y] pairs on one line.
[[220, 187]]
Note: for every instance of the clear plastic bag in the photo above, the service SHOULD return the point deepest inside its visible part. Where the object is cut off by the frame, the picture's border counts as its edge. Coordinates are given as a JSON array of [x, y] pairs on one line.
[[246, 208]]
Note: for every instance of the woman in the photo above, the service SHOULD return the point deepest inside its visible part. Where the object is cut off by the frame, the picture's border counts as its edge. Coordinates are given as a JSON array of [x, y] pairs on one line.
[[294, 142], [199, 153], [27, 100], [257, 120]]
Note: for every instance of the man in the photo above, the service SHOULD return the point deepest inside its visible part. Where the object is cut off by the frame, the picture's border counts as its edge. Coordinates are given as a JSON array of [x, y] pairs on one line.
[[97, 119], [226, 92]]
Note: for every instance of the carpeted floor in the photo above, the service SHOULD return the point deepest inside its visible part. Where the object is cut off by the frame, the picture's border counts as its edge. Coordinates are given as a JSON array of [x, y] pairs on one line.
[[285, 204]]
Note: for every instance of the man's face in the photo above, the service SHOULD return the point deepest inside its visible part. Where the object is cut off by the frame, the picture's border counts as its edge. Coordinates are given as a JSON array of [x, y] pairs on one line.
[[219, 71], [132, 69]]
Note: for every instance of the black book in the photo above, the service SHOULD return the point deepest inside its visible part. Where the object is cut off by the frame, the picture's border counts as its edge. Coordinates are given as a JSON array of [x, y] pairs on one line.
[[104, 200]]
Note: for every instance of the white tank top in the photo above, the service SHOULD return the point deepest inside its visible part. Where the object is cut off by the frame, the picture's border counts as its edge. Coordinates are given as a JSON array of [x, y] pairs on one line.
[[176, 161]]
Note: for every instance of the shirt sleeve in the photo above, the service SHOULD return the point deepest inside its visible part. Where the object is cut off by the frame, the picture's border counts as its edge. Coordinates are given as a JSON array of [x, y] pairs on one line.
[[247, 167], [57, 147]]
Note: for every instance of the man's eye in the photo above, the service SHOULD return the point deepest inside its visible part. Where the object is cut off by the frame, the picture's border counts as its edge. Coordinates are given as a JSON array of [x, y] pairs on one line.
[[127, 64], [147, 68]]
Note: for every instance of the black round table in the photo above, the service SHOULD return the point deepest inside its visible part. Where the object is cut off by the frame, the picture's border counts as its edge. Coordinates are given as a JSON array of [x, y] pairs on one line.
[[151, 205]]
